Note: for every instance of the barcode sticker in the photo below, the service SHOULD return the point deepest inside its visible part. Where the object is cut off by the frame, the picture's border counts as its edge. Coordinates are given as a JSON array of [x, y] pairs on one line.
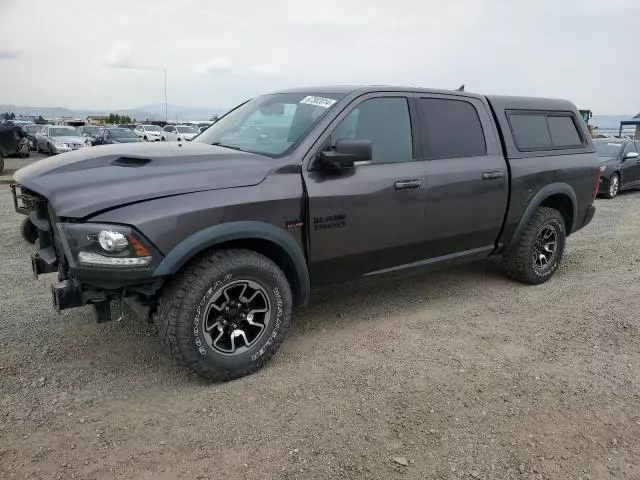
[[318, 101]]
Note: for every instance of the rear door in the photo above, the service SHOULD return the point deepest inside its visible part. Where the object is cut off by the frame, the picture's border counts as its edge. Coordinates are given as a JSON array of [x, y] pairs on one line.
[[368, 220], [467, 177]]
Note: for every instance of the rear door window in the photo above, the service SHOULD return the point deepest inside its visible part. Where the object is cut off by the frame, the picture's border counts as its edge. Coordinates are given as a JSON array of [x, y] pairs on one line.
[[450, 128]]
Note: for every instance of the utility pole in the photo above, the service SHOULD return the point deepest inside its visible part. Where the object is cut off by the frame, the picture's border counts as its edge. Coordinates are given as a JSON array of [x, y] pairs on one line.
[[165, 96]]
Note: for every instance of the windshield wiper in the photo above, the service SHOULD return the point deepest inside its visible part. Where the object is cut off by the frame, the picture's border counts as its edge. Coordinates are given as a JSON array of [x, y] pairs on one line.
[[218, 144]]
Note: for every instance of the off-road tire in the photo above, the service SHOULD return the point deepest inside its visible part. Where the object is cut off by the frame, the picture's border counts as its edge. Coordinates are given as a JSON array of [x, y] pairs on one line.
[[519, 262], [28, 231], [608, 193], [178, 313]]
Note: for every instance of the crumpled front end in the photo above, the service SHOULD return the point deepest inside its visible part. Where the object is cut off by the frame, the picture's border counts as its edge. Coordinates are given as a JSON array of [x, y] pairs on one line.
[[96, 263]]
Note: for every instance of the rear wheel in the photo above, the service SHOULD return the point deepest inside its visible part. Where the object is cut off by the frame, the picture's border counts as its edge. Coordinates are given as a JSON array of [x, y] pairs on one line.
[[540, 248], [614, 186], [226, 315], [145, 138]]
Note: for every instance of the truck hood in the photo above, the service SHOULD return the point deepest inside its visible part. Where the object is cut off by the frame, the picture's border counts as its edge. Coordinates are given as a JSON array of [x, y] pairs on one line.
[[90, 180]]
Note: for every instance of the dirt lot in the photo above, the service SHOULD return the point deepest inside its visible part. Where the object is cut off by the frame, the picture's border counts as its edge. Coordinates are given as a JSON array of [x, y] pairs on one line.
[[464, 374]]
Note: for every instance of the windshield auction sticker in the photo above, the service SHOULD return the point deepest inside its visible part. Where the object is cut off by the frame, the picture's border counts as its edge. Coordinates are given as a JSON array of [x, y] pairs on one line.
[[318, 101]]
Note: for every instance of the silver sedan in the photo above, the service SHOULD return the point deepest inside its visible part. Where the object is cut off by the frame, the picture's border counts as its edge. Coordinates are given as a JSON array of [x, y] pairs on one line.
[[54, 139]]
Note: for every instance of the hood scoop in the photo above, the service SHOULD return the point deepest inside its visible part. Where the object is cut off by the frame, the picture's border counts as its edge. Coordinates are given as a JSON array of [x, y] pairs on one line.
[[130, 162]]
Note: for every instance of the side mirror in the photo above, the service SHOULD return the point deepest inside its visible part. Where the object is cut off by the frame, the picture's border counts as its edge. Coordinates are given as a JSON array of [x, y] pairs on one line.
[[632, 155], [346, 152]]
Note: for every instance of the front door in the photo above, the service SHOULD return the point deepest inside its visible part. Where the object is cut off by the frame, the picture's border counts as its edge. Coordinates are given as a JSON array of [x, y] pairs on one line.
[[467, 177], [630, 166], [370, 219]]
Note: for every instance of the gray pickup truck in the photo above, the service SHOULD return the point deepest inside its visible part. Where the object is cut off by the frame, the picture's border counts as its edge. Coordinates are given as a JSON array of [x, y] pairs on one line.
[[218, 239]]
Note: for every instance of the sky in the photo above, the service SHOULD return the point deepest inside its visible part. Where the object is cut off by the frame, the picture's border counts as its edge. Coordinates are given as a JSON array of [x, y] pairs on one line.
[[112, 55]]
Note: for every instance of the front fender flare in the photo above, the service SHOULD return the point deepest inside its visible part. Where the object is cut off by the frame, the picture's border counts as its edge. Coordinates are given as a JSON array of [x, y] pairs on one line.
[[225, 232], [544, 193]]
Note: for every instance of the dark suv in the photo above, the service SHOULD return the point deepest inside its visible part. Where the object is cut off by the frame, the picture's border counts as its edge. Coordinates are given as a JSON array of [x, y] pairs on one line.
[[216, 240]]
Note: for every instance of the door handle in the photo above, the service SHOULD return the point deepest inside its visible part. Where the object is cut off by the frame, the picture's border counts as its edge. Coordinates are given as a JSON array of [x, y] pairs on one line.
[[407, 184], [492, 175]]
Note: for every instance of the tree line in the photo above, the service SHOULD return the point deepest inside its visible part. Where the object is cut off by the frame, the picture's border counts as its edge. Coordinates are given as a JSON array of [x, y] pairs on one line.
[[115, 119]]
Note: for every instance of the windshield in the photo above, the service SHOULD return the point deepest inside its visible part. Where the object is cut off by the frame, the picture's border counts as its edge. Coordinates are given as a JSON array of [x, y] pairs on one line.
[[186, 129], [268, 125], [122, 133], [63, 132], [608, 149], [152, 128], [33, 128], [91, 130]]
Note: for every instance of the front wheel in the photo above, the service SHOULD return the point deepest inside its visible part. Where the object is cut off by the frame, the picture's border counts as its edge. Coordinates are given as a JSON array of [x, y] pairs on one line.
[[614, 187], [145, 138], [226, 315], [538, 253]]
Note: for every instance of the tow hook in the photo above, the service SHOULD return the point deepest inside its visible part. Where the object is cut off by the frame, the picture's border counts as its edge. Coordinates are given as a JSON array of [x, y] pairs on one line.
[[66, 294], [102, 311]]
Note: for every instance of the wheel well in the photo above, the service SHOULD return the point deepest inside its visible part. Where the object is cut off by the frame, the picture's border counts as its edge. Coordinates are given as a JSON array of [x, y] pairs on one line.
[[273, 252], [564, 205]]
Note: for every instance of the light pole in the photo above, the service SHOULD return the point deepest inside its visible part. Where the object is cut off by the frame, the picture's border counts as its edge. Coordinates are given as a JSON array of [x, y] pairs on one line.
[[165, 96]]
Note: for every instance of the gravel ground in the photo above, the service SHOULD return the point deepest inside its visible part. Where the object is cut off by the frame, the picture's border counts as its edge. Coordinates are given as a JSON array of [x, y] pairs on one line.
[[458, 375]]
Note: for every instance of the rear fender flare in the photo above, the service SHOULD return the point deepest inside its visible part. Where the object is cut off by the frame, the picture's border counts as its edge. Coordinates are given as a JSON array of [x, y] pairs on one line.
[[245, 230], [536, 201]]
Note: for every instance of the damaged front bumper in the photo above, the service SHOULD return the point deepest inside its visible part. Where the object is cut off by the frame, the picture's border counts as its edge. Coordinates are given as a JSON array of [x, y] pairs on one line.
[[80, 285]]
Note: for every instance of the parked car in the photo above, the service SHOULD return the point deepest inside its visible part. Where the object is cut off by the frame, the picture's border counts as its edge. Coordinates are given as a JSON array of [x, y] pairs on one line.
[[178, 133], [109, 136], [89, 132], [202, 129], [148, 133], [54, 139], [129, 126], [619, 165], [216, 240], [32, 131]]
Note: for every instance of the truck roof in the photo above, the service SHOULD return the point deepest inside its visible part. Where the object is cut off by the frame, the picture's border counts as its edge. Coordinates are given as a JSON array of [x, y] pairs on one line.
[[362, 89], [499, 102]]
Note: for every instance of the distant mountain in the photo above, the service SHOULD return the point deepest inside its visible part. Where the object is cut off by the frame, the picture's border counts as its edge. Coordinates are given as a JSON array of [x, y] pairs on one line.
[[152, 112], [608, 121]]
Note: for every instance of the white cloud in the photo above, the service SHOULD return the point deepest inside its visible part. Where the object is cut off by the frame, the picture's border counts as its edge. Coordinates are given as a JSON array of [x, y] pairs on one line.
[[214, 65]]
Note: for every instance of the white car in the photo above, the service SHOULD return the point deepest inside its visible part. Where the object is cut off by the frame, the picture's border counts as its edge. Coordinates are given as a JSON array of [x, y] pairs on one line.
[[148, 133], [178, 133]]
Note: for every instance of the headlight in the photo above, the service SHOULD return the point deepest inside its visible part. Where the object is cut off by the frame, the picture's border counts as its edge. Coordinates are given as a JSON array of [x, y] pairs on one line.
[[112, 241], [603, 168], [93, 244]]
